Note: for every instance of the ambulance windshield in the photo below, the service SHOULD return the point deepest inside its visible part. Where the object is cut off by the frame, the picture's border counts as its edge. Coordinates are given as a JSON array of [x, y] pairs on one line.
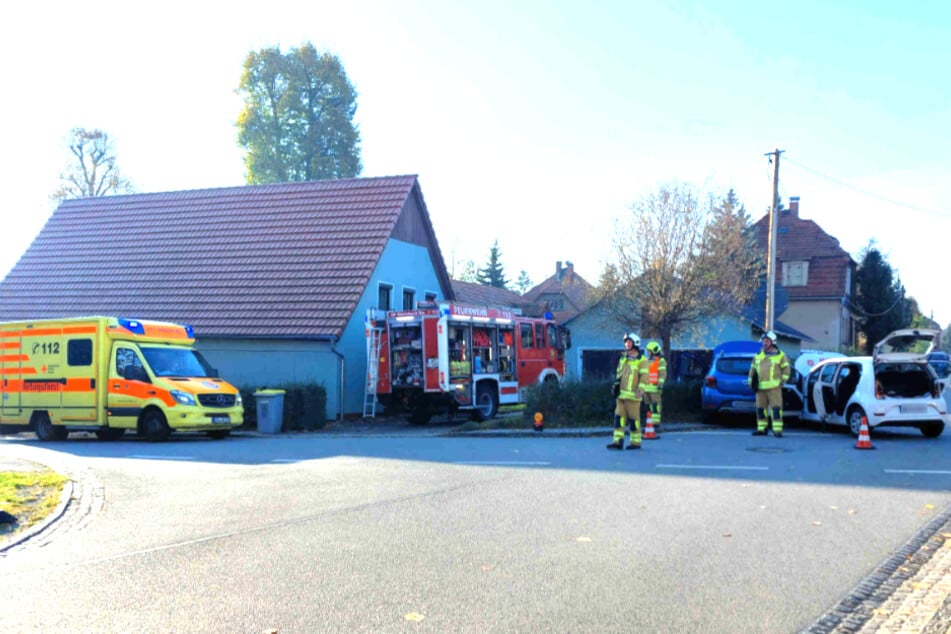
[[184, 362]]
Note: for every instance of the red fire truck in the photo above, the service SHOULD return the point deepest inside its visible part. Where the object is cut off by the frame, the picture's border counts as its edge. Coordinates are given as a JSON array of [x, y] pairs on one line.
[[451, 357]]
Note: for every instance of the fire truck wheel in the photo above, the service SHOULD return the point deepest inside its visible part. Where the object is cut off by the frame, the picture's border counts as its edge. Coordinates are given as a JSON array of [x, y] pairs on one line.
[[153, 426], [487, 403], [46, 430], [420, 415]]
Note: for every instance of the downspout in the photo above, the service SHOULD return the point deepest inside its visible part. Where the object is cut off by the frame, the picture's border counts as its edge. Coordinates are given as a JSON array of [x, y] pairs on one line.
[[333, 348]]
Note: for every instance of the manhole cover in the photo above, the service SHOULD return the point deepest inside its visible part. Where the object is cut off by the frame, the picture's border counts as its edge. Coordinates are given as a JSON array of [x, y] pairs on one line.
[[767, 449]]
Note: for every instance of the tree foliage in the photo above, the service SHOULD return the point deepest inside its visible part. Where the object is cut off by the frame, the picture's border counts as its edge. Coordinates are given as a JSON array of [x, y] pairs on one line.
[[493, 273], [679, 261], [880, 297], [523, 283], [297, 121], [93, 170]]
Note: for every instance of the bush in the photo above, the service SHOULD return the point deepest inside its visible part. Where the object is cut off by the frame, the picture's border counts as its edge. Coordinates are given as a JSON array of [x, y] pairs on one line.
[[590, 403], [305, 407]]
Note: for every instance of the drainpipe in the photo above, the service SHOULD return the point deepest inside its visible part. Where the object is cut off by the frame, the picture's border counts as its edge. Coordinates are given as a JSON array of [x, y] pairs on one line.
[[333, 348]]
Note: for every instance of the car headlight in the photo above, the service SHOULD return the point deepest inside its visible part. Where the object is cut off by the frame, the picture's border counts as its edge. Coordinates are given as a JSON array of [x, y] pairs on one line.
[[237, 400], [183, 398]]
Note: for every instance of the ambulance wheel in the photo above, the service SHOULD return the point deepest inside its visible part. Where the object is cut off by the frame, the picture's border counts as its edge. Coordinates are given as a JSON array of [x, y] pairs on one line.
[[110, 433], [153, 426], [47, 431], [486, 404]]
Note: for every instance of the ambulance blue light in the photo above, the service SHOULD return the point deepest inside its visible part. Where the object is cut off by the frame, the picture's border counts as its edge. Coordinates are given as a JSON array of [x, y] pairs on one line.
[[132, 326], [189, 332]]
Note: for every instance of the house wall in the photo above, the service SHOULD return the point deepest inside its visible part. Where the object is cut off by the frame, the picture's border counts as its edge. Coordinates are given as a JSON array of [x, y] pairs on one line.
[[401, 265], [270, 363], [825, 321]]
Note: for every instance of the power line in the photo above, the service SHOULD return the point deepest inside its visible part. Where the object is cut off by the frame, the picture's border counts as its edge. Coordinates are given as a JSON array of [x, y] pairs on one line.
[[868, 193]]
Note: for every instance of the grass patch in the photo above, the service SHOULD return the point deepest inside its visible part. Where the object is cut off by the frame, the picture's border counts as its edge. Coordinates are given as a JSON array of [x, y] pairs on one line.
[[30, 495]]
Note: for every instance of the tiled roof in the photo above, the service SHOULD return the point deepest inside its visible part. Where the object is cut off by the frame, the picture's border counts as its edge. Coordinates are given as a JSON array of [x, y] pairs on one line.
[[801, 239], [288, 259], [482, 295], [567, 284]]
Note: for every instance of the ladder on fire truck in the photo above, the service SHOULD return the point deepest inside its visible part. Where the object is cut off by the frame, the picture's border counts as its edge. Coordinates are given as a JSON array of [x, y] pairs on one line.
[[374, 334]]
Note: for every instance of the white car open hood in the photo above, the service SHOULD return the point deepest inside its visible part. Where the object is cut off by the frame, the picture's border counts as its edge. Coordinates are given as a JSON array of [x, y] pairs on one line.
[[910, 344]]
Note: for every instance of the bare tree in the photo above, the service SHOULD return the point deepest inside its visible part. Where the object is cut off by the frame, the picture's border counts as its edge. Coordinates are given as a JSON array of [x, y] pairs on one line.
[[679, 261], [94, 172]]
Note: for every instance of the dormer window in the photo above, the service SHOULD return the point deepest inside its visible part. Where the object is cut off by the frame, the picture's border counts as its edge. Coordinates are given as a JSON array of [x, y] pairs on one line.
[[796, 273]]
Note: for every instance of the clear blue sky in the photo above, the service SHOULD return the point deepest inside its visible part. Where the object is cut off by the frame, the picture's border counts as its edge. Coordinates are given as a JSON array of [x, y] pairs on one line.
[[526, 122]]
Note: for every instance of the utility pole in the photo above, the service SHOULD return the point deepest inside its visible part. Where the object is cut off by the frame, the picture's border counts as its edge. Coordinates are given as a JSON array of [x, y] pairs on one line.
[[771, 245]]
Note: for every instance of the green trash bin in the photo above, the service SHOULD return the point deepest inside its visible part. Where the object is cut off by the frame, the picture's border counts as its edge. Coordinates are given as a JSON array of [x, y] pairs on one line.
[[270, 410]]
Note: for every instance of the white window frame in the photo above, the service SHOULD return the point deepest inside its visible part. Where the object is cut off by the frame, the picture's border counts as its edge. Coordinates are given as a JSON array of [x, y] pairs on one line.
[[796, 273]]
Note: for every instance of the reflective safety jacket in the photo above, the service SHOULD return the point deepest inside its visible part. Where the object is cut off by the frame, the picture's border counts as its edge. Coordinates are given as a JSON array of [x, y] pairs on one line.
[[632, 377], [773, 369], [656, 373]]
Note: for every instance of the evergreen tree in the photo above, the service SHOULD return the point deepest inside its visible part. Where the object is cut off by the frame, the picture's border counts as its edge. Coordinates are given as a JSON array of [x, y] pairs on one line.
[[493, 274], [523, 283], [880, 296]]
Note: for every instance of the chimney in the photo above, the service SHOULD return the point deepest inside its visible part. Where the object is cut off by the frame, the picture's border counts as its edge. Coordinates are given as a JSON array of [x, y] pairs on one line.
[[569, 271], [794, 206], [558, 271]]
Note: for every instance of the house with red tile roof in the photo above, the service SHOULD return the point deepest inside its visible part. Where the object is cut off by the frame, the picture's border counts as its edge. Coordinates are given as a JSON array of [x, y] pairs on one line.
[[565, 293], [818, 276], [275, 279]]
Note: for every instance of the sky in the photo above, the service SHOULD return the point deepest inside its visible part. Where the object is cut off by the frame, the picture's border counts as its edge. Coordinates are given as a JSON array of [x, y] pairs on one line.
[[536, 124]]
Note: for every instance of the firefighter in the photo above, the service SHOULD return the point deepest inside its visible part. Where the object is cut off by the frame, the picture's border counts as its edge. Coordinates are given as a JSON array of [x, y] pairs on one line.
[[768, 372], [656, 375], [629, 385]]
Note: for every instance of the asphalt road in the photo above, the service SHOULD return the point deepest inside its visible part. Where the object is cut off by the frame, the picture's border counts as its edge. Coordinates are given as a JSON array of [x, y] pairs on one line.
[[706, 531]]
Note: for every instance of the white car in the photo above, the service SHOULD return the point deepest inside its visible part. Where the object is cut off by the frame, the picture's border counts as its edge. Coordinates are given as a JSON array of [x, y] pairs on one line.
[[894, 387]]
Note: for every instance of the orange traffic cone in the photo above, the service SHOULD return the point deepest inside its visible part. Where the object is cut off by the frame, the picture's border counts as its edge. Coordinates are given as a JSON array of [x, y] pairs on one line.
[[865, 442], [649, 433]]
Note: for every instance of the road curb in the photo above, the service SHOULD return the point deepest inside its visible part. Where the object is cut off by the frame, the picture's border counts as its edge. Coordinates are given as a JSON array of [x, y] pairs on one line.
[[65, 497]]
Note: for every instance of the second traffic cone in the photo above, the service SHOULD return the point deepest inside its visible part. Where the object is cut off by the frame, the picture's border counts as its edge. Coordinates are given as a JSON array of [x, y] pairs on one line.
[[649, 433], [865, 442]]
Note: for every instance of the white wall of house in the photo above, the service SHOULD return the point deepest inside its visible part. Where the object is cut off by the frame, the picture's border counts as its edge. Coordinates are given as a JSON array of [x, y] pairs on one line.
[[825, 321]]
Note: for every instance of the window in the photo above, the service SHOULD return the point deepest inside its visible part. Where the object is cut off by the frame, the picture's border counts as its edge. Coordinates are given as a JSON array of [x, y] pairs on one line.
[[525, 335], [796, 273], [79, 352], [409, 298], [385, 299], [556, 303], [430, 296], [539, 335]]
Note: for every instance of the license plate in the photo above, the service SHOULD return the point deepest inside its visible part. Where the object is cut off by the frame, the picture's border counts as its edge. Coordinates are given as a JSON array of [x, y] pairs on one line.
[[220, 419], [916, 408]]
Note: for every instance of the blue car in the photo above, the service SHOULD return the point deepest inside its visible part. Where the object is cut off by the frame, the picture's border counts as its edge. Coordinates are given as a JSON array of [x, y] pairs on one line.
[[726, 389]]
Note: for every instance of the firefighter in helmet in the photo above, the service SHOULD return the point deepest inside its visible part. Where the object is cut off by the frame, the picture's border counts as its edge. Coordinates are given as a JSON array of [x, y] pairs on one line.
[[769, 370], [656, 375], [629, 385]]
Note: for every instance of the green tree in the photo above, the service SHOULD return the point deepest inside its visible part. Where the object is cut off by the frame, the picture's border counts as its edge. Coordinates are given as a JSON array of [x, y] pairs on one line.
[[93, 172], [469, 273], [880, 296], [679, 261], [523, 283], [297, 121], [493, 273]]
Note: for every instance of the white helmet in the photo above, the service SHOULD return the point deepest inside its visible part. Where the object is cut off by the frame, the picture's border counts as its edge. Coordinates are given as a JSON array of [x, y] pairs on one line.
[[634, 339], [770, 335]]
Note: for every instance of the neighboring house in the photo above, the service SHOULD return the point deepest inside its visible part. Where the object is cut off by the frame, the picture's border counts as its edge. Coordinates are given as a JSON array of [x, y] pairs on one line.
[[818, 275], [482, 295], [565, 293], [276, 279]]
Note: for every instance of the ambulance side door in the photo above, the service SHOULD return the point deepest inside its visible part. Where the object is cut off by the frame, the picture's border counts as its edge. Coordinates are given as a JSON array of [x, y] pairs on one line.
[[80, 389], [129, 386]]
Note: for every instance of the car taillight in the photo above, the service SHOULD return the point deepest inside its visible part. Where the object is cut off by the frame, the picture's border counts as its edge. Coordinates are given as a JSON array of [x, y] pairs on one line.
[[879, 390], [710, 381]]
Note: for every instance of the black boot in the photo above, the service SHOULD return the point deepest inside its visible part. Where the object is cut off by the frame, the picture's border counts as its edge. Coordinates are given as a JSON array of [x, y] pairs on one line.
[[759, 432], [617, 444]]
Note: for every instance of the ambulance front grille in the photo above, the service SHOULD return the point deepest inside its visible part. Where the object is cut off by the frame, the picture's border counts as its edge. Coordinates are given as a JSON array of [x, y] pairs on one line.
[[216, 400]]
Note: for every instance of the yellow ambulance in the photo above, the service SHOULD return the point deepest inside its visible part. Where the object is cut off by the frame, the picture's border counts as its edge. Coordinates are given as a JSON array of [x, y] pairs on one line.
[[107, 375]]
